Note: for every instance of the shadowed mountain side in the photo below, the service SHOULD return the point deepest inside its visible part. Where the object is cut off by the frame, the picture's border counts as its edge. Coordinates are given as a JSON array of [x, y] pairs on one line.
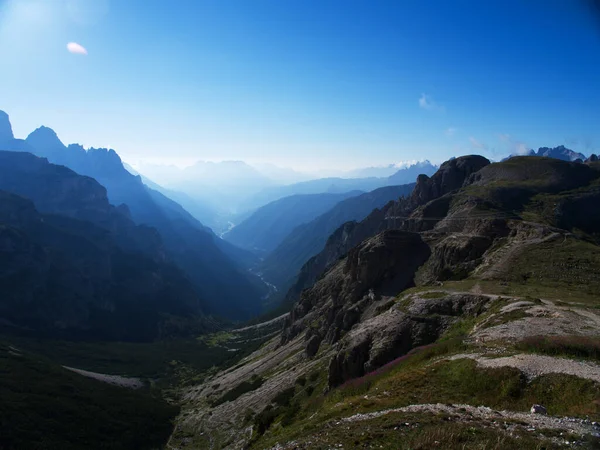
[[68, 277], [402, 176], [228, 288], [264, 230], [450, 176], [306, 240]]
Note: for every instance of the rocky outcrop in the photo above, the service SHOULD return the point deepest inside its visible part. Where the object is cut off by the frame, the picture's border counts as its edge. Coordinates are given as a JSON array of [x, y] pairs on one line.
[[593, 158], [306, 241], [450, 176], [428, 193], [380, 266], [393, 333]]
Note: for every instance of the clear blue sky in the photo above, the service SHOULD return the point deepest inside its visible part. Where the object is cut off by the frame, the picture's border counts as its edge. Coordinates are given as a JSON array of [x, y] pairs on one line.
[[304, 83]]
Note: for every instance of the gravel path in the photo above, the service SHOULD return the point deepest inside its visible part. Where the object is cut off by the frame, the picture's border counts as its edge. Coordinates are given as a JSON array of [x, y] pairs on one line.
[[535, 365], [569, 424], [507, 421], [131, 383], [280, 318]]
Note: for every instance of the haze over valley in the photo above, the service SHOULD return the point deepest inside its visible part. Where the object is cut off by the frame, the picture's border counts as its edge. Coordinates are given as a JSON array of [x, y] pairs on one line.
[[299, 225]]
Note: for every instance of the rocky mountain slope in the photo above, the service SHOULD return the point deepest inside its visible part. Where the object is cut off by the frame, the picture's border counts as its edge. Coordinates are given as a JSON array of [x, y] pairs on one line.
[[284, 263], [73, 265], [441, 319], [225, 284], [264, 230]]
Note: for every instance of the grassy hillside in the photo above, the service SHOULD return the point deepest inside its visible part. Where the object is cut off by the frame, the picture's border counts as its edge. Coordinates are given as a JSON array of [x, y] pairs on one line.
[[43, 406]]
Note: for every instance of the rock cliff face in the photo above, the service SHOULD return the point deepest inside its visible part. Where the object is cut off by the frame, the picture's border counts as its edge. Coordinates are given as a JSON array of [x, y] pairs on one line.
[[60, 191], [281, 267], [67, 277], [456, 260], [451, 176], [378, 267]]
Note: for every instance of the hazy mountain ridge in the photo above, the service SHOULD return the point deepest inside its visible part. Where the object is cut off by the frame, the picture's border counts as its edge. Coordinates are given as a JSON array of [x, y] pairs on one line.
[[264, 230], [284, 263], [401, 176], [82, 268], [227, 288]]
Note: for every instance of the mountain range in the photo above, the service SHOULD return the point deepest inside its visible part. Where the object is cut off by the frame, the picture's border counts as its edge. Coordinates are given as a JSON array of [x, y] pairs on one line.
[[264, 230], [479, 288], [224, 283], [283, 264], [560, 152], [401, 176], [74, 265]]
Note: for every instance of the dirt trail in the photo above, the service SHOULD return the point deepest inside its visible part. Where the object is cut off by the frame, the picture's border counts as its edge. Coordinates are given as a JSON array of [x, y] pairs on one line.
[[280, 318], [505, 421], [116, 380], [569, 424]]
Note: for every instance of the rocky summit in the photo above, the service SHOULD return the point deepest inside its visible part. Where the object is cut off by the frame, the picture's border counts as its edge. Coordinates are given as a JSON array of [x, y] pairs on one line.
[[449, 312]]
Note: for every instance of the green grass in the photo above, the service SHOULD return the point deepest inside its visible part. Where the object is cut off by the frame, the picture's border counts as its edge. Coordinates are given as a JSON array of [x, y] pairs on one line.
[[587, 347], [44, 406], [159, 359], [568, 269], [413, 431], [419, 379], [433, 294], [216, 339]]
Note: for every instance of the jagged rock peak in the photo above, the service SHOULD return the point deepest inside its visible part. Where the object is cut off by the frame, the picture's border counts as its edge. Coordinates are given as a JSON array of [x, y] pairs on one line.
[[560, 152], [6, 132], [593, 158], [450, 176], [44, 138], [76, 148]]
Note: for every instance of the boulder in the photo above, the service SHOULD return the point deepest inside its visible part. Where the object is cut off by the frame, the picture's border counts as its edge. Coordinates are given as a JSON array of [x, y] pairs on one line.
[[538, 409]]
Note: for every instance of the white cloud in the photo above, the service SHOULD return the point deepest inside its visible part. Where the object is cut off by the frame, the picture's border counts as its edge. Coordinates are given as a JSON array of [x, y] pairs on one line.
[[450, 131], [426, 102], [521, 149], [476, 144], [78, 49], [515, 147]]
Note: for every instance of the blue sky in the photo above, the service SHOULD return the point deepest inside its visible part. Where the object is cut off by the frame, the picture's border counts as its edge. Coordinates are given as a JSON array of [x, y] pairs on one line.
[[302, 83]]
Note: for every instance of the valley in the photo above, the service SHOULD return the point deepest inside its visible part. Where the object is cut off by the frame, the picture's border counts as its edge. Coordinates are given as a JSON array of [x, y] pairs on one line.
[[438, 311], [299, 225]]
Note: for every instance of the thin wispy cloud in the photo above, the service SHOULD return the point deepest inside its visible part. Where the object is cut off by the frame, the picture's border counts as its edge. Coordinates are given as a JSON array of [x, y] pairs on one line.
[[77, 49], [426, 102], [477, 144], [504, 137], [450, 131], [515, 146]]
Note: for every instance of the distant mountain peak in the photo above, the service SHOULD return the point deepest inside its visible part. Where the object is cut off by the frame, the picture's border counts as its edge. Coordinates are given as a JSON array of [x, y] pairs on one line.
[[6, 133], [44, 137], [561, 152]]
